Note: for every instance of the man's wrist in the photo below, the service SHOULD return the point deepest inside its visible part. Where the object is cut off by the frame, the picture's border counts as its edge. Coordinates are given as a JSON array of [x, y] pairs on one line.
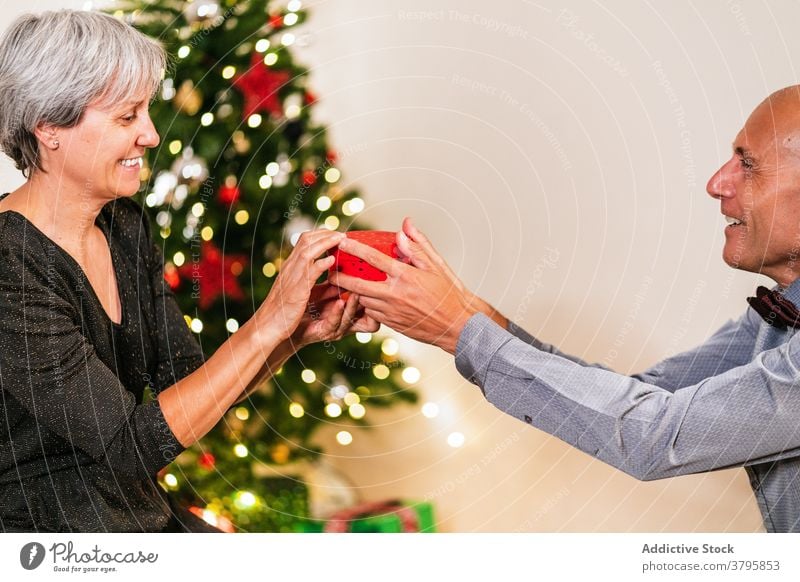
[[483, 307], [449, 340]]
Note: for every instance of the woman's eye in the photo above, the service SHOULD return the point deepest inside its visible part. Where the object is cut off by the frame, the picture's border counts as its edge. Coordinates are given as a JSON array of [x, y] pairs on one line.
[[129, 117]]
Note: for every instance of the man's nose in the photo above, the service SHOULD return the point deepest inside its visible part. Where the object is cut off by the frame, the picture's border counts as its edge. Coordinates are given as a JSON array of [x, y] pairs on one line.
[[721, 183]]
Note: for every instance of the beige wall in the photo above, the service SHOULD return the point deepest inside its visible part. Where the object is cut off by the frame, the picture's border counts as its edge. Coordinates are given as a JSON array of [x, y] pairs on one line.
[[557, 155]]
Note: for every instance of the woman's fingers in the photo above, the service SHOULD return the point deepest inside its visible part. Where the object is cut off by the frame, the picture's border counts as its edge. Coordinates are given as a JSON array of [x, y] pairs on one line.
[[312, 244]]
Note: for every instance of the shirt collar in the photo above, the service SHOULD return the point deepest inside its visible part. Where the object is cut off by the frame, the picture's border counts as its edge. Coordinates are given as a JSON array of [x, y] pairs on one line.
[[792, 292]]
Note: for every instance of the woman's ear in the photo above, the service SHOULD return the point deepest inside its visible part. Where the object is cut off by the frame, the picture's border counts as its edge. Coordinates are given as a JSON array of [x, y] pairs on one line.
[[47, 135]]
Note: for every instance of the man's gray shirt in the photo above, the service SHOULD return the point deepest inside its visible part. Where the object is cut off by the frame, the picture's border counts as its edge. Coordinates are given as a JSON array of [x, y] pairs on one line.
[[732, 401]]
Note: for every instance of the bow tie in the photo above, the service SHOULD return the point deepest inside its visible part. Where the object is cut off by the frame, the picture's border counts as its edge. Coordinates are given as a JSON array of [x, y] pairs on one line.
[[774, 308]]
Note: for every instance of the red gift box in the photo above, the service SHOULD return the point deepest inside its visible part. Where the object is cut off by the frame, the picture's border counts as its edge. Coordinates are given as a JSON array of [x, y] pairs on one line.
[[384, 241]]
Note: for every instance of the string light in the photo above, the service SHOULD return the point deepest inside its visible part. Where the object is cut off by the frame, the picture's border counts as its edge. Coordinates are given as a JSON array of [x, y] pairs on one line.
[[207, 233], [175, 147], [270, 59], [184, 51], [411, 375], [240, 451], [381, 372], [287, 39], [265, 182], [198, 209], [357, 411], [351, 398], [241, 217], [332, 222], [430, 410], [323, 203], [269, 270], [390, 347], [333, 410], [178, 259], [339, 391], [293, 111], [294, 5], [353, 206], [262, 45], [363, 337], [228, 72], [308, 376], [344, 438], [244, 500], [254, 120], [356, 205], [242, 413], [290, 19], [455, 439], [171, 480], [332, 175], [296, 410], [196, 325], [207, 119], [232, 325]]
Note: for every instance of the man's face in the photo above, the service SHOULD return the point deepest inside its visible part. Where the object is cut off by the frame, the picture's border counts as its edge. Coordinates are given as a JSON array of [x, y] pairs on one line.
[[760, 187]]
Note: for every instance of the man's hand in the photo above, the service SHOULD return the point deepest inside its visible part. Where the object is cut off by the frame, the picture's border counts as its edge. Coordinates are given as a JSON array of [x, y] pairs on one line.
[[415, 245], [423, 300]]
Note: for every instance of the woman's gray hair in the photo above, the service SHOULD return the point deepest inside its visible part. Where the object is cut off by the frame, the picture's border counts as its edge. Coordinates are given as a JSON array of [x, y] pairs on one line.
[[52, 66]]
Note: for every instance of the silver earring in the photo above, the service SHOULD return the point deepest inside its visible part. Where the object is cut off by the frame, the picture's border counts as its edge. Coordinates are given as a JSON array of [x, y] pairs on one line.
[[56, 143]]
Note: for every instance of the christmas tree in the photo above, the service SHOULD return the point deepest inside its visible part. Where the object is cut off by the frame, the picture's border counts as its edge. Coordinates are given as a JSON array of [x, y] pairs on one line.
[[241, 171]]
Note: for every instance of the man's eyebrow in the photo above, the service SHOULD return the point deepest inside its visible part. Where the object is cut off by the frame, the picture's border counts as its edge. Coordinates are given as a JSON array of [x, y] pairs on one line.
[[742, 152]]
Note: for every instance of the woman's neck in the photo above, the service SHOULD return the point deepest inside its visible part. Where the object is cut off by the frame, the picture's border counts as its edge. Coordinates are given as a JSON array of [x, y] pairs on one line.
[[65, 214]]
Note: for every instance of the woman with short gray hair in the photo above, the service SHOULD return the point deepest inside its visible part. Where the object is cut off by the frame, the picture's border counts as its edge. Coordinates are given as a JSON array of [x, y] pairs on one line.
[[88, 321]]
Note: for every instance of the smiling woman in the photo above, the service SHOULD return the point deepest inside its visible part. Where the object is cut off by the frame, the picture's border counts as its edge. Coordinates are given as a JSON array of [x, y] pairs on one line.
[[88, 321]]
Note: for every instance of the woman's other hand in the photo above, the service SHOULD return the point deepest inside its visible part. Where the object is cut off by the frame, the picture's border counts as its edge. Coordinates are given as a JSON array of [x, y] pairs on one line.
[[329, 317], [287, 302]]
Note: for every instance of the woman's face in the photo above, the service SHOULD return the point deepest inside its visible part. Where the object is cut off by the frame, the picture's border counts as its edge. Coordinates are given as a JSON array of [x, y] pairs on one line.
[[103, 153]]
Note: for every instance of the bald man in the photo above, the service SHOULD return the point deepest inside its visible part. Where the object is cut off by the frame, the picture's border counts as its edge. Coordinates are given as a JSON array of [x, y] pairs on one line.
[[732, 401]]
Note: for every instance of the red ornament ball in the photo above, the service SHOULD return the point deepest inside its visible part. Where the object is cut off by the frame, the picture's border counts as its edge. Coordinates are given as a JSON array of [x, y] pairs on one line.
[[207, 461], [309, 178], [229, 194]]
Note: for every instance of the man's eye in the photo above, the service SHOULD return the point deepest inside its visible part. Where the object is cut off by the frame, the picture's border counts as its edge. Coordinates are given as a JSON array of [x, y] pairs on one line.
[[747, 163]]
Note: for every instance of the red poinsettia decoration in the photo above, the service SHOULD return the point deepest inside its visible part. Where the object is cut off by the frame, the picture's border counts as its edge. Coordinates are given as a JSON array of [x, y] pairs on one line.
[[260, 85], [216, 273]]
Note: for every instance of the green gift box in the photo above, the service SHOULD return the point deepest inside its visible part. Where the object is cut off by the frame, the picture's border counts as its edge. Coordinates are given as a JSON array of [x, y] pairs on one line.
[[377, 517]]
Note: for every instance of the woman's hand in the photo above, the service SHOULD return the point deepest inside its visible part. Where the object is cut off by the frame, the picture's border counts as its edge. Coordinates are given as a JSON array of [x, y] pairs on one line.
[[424, 300], [330, 318], [287, 302]]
